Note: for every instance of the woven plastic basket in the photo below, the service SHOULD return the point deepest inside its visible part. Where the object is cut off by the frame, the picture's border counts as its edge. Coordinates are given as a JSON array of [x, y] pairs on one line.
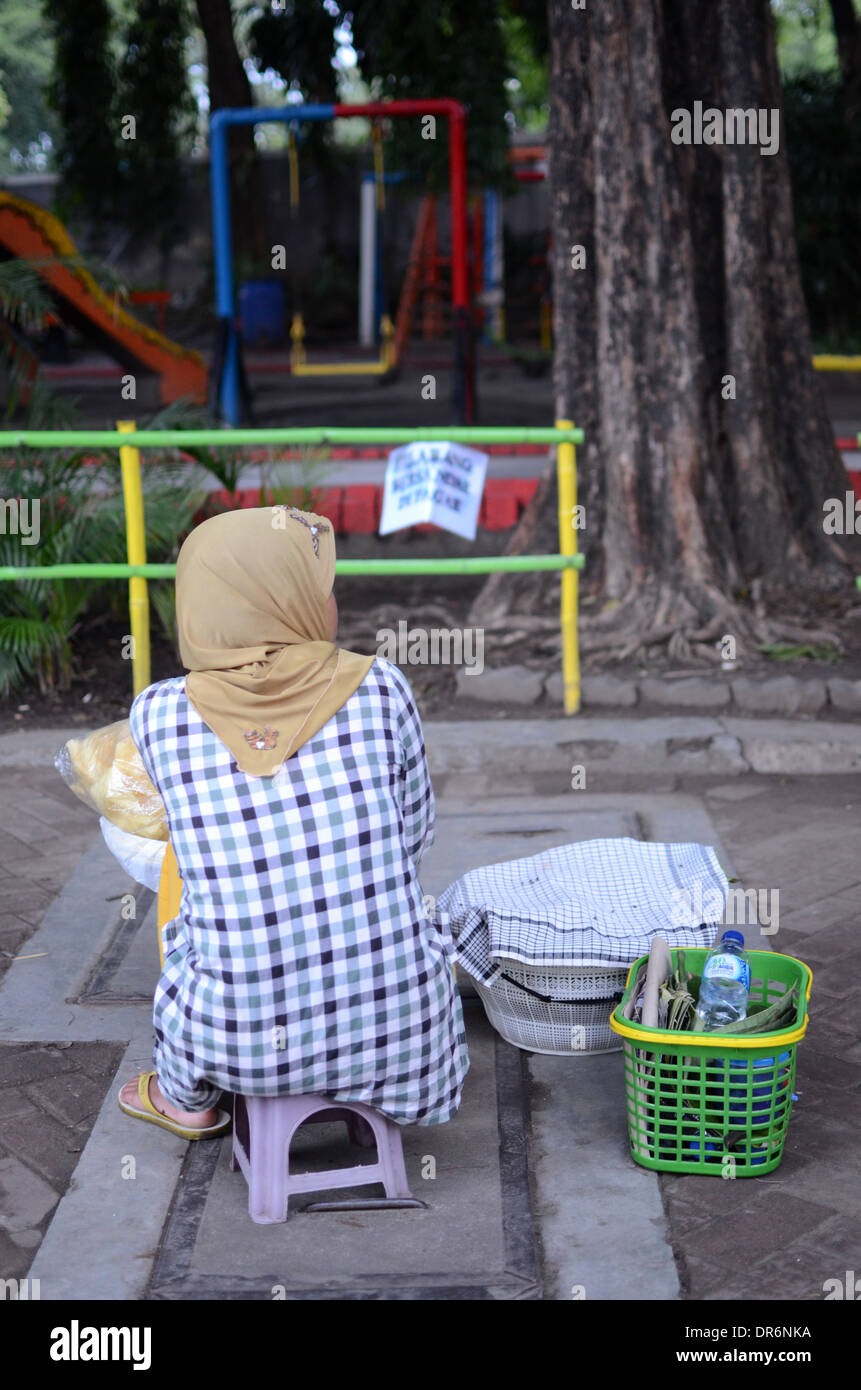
[[698, 1104], [559, 1011]]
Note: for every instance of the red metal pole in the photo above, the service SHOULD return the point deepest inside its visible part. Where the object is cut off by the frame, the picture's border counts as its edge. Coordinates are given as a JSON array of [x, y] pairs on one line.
[[455, 112]]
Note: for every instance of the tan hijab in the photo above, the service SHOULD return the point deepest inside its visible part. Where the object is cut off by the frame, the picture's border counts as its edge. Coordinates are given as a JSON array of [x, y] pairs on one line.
[[253, 625]]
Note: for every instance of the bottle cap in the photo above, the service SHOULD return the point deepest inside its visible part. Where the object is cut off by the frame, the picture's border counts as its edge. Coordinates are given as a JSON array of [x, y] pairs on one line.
[[733, 936]]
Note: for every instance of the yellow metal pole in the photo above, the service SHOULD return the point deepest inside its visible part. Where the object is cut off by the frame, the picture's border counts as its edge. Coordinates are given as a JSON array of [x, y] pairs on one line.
[[387, 352], [832, 362], [297, 335], [566, 464], [130, 463]]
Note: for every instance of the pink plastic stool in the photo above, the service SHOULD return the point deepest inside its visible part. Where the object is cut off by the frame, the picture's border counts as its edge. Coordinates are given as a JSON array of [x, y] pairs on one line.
[[263, 1130]]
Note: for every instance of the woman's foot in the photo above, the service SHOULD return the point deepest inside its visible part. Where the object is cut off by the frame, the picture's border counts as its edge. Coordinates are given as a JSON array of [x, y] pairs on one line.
[[191, 1119]]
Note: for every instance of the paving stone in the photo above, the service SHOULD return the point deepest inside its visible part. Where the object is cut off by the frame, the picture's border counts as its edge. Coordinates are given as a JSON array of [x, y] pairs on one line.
[[12, 937], [18, 1066], [99, 1060], [817, 1070], [803, 891], [27, 900], [786, 1274], [30, 1239], [25, 1199], [804, 748], [756, 1227], [14, 1102], [837, 1239], [840, 937], [703, 1278], [13, 850], [695, 692], [698, 1190], [839, 979], [845, 695], [516, 685], [69, 1098], [718, 753], [834, 1037], [778, 695], [44, 1144], [14, 1260], [816, 919], [817, 1138]]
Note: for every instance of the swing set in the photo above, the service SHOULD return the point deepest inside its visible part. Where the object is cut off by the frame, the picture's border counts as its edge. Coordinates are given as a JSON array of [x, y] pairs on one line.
[[299, 365], [229, 375]]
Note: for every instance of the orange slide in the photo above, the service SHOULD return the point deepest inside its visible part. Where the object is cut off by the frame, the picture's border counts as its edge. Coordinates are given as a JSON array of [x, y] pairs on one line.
[[34, 235]]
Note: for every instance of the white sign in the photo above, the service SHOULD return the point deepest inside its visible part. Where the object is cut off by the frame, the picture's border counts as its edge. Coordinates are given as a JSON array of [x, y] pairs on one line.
[[437, 482]]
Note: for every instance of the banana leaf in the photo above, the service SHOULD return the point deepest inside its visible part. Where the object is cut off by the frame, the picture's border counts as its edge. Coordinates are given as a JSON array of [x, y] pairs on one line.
[[781, 1013]]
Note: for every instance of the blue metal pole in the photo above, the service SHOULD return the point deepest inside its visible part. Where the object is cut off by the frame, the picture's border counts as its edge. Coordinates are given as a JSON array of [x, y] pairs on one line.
[[492, 278], [222, 246]]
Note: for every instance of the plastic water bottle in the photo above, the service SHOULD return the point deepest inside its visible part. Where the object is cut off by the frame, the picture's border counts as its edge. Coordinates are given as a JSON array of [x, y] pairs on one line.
[[725, 983]]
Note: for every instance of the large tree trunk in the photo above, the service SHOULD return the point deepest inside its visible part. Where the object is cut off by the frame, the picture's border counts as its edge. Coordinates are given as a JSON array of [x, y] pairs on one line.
[[691, 277], [229, 86]]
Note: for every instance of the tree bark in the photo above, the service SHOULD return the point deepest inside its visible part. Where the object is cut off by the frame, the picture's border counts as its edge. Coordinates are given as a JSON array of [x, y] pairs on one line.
[[691, 291], [229, 86]]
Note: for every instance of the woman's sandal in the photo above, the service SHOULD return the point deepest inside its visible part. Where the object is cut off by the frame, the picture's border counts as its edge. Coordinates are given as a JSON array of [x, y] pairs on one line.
[[155, 1117]]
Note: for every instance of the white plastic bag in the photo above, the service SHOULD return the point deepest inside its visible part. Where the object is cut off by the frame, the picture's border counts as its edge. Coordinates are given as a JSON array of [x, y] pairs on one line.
[[141, 857]]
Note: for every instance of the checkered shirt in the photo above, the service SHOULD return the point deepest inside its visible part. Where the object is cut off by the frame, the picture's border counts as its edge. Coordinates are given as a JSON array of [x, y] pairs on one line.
[[302, 960], [593, 902]]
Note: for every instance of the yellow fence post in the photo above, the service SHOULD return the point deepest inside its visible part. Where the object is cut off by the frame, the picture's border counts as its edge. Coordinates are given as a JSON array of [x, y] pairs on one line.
[[566, 464], [130, 463]]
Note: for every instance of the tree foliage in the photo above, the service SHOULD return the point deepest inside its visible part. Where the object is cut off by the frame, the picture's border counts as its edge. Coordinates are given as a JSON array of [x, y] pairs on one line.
[[297, 41], [82, 92], [29, 128], [104, 172], [453, 49], [826, 199], [152, 86]]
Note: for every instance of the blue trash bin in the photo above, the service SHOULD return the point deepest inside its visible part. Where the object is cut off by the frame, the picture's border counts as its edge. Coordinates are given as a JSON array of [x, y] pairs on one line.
[[262, 313]]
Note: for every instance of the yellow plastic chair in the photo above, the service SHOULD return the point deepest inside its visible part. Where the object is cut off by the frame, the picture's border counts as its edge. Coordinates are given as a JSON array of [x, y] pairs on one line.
[[169, 895]]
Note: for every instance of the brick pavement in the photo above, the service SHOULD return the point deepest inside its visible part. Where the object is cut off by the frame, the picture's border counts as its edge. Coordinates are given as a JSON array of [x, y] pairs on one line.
[[49, 1099], [776, 1237], [783, 1235], [49, 1095]]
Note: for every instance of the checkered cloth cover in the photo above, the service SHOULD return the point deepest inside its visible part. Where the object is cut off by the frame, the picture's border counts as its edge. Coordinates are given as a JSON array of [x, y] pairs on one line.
[[595, 902], [302, 959]]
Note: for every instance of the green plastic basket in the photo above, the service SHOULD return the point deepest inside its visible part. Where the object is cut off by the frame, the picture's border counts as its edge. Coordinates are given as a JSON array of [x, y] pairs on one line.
[[699, 1105]]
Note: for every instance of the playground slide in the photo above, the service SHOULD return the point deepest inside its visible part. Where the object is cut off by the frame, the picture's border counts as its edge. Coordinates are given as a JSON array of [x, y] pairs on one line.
[[31, 233]]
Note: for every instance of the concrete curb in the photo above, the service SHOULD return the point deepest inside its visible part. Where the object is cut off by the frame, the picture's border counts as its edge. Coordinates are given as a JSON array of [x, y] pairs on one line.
[[678, 745], [775, 696]]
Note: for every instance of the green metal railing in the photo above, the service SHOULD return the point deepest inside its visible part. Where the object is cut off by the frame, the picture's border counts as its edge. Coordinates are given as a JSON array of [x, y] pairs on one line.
[[468, 564], [225, 439], [128, 441]]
